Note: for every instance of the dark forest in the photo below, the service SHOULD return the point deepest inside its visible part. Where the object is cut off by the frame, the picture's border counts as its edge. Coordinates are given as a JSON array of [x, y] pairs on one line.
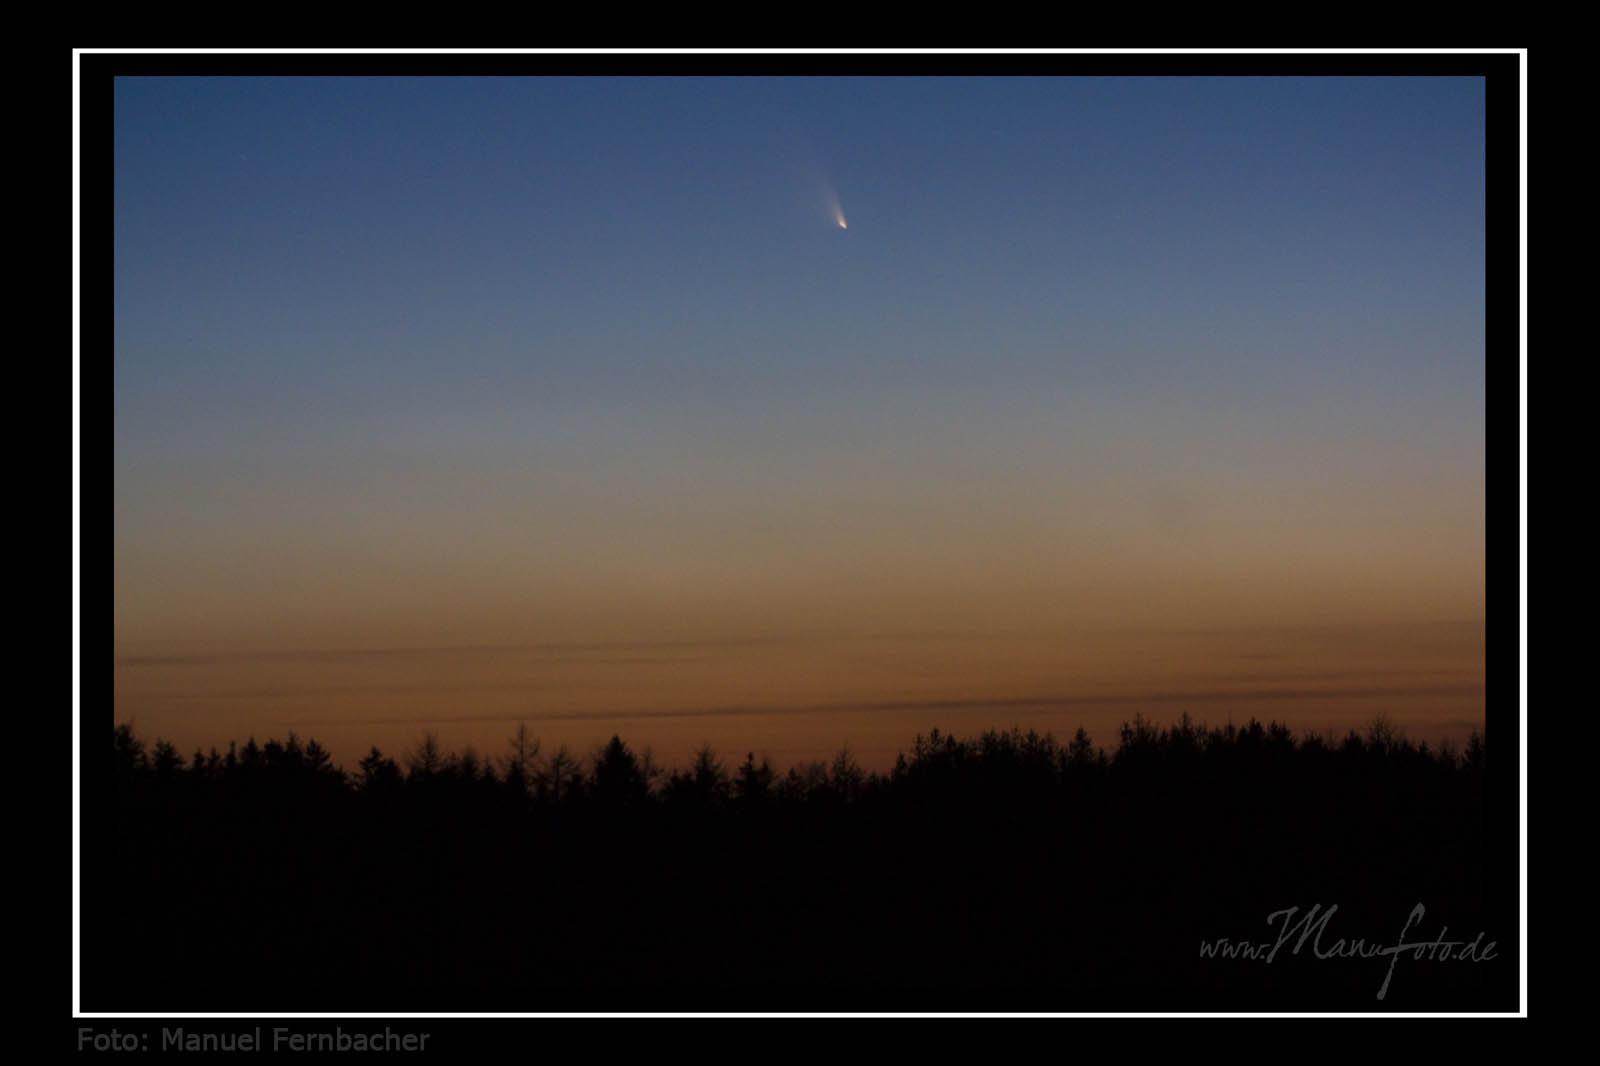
[[1004, 872]]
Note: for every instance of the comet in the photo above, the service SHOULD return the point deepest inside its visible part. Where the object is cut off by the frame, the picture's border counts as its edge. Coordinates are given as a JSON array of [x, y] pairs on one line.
[[827, 195], [835, 208]]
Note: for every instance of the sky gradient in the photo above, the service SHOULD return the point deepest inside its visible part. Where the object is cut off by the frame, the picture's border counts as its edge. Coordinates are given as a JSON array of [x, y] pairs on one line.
[[441, 403]]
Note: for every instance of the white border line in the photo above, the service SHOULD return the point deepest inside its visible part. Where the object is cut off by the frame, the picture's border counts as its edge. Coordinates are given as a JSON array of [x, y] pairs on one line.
[[77, 495], [1523, 469]]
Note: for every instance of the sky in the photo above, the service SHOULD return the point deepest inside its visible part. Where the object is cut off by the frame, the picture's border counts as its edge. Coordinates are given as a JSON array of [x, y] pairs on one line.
[[446, 403]]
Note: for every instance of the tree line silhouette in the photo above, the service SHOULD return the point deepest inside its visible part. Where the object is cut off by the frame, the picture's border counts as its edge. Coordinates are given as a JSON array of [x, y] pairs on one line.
[[1005, 871]]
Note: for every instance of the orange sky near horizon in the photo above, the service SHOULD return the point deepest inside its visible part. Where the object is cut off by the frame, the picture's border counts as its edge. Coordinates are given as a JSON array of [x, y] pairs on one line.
[[803, 696]]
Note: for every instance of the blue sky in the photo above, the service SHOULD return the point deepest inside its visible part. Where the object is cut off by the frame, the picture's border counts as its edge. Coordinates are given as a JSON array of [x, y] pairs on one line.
[[565, 233]]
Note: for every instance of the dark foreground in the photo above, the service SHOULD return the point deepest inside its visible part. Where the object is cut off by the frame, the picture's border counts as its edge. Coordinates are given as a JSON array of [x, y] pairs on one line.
[[1007, 873]]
